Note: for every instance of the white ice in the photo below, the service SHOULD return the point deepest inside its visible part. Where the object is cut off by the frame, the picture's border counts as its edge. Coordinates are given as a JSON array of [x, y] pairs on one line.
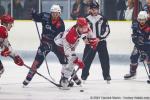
[[24, 37], [95, 88]]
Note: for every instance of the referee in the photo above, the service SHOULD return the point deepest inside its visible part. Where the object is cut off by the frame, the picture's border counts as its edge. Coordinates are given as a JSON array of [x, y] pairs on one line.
[[101, 30]]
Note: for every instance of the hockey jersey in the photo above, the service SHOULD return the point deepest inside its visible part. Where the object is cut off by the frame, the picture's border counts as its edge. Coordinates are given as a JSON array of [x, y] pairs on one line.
[[50, 28], [4, 43]]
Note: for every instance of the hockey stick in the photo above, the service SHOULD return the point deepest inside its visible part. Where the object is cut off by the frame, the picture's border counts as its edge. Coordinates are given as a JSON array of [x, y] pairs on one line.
[[148, 81], [58, 85], [78, 67], [148, 75], [43, 52]]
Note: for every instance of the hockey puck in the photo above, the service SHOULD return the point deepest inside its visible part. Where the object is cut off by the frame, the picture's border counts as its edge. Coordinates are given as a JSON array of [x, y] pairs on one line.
[[148, 81], [81, 90]]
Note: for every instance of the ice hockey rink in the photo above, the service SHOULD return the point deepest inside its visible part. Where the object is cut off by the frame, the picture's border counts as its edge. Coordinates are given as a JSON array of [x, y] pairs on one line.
[[95, 88]]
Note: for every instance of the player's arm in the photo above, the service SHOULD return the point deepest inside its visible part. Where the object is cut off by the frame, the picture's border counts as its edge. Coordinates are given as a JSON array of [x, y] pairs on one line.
[[8, 51], [105, 30], [37, 16]]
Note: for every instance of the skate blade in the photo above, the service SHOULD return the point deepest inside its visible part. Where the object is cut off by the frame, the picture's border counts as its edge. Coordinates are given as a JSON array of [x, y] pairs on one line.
[[108, 82], [131, 78], [148, 81], [24, 86], [64, 88], [83, 81]]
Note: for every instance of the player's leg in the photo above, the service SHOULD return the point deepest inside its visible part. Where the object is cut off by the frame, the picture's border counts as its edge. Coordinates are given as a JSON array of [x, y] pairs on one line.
[[88, 57], [67, 71], [39, 58], [1, 68], [148, 63], [134, 64], [104, 60]]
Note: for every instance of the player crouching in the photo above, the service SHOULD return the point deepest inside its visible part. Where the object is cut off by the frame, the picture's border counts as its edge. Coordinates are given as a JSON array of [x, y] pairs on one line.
[[69, 41]]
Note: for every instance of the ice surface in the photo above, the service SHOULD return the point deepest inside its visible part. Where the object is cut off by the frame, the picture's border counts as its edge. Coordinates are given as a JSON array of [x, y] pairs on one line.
[[95, 88]]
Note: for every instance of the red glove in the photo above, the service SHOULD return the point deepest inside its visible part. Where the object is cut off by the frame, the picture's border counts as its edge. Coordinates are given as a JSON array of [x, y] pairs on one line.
[[93, 43], [5, 52], [18, 61], [79, 63]]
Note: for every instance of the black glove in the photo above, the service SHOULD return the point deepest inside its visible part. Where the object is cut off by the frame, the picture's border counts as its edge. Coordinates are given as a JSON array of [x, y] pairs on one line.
[[143, 56]]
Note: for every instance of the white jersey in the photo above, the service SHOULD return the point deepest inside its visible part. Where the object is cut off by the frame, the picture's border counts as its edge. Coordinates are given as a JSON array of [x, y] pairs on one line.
[[63, 40], [4, 43]]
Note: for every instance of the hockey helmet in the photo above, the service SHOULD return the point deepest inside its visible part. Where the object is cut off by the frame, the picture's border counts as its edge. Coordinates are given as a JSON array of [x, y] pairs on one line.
[[82, 22], [94, 4], [142, 16], [7, 19], [55, 8]]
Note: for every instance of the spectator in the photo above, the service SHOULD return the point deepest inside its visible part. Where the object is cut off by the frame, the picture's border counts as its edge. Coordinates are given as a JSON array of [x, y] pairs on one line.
[[2, 10], [28, 6], [75, 9], [84, 9], [17, 9], [110, 9], [130, 9], [121, 7]]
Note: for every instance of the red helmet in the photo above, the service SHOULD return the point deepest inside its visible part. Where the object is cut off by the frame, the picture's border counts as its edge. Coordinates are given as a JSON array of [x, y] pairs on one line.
[[82, 22], [7, 19]]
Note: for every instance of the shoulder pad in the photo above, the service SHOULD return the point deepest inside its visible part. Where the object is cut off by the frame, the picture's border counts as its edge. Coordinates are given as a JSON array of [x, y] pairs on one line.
[[3, 32], [72, 36]]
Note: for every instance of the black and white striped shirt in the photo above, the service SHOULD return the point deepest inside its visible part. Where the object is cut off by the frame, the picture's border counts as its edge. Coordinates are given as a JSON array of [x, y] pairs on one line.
[[99, 26]]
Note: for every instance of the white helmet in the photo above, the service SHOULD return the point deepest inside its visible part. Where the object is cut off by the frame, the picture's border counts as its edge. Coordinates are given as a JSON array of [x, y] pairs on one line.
[[142, 16], [55, 8]]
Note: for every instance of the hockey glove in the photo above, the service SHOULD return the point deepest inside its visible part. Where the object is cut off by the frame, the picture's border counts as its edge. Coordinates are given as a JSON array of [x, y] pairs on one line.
[[5, 52], [143, 56], [93, 43], [18, 60], [79, 62]]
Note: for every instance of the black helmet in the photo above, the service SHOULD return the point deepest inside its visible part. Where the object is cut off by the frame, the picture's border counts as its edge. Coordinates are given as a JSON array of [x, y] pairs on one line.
[[94, 5]]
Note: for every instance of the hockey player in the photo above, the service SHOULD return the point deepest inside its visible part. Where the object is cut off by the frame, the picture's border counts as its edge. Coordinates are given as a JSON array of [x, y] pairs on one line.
[[52, 24], [140, 37], [69, 40], [6, 49], [101, 30]]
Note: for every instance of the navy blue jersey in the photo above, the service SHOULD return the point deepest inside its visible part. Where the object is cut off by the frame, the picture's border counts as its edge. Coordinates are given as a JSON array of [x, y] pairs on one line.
[[50, 28], [141, 35]]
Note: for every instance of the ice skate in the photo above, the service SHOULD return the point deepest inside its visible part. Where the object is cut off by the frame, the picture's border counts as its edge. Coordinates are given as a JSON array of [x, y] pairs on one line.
[[77, 80], [28, 78], [130, 76], [83, 80], [108, 78], [71, 84], [64, 83]]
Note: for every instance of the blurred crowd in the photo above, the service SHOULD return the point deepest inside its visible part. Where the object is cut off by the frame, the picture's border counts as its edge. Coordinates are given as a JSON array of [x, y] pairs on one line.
[[20, 11], [112, 9]]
